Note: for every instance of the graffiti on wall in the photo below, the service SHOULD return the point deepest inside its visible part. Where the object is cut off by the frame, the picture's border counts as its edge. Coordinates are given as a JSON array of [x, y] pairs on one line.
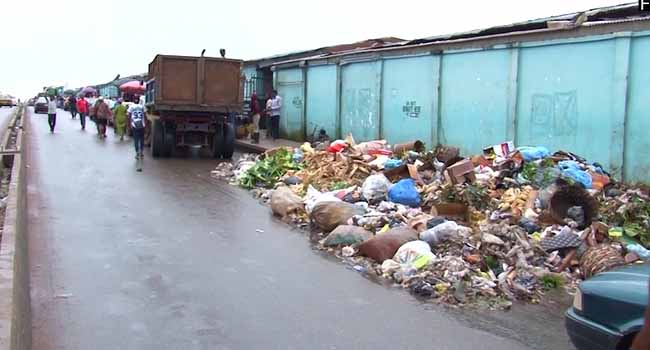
[[297, 102], [359, 107], [554, 114], [411, 109]]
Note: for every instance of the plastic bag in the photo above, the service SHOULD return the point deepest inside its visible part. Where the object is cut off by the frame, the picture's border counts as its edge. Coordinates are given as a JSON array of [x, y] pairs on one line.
[[404, 192], [443, 232], [285, 202], [366, 147], [637, 249], [337, 146], [375, 188], [534, 153], [314, 197], [392, 163], [415, 254], [347, 235], [572, 170]]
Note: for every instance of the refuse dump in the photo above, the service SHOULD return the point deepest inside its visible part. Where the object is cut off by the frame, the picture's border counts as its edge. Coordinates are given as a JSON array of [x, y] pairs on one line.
[[507, 224]]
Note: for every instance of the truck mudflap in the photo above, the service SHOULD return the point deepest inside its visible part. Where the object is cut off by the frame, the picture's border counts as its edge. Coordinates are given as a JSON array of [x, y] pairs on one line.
[[224, 141]]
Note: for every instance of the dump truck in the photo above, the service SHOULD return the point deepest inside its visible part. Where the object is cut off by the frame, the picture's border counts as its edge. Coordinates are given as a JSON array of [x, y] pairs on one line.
[[191, 102]]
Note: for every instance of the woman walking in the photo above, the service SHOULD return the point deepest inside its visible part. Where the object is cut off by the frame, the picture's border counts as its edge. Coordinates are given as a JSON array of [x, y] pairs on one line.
[[102, 114], [119, 119]]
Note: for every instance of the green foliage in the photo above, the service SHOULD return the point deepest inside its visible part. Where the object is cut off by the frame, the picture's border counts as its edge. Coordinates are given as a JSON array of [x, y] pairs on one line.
[[552, 281], [339, 185], [268, 171]]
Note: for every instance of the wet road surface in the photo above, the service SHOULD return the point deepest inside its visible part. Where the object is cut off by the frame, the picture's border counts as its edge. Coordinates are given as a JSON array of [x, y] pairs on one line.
[[170, 259]]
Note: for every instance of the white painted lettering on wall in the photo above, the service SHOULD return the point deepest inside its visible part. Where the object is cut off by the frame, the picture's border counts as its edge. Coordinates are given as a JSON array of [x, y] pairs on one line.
[[554, 114]]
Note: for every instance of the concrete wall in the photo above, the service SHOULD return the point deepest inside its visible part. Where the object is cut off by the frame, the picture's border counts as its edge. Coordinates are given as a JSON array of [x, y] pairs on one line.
[[584, 95], [15, 309]]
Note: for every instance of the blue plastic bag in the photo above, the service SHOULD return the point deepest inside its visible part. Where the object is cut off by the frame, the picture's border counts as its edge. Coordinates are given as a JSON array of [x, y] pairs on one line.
[[392, 163], [572, 170], [404, 192], [534, 153]]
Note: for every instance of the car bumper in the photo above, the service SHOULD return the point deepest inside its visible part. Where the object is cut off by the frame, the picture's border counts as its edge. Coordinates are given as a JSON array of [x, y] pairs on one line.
[[586, 334]]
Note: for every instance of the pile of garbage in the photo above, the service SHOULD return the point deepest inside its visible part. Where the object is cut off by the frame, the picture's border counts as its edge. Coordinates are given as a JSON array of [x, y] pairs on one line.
[[508, 224]]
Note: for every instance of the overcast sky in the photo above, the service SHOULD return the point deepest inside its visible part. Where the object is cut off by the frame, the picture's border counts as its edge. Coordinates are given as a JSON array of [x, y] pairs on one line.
[[78, 43]]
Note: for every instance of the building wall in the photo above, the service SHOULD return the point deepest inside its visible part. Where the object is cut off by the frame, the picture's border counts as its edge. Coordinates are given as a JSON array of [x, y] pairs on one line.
[[585, 95]]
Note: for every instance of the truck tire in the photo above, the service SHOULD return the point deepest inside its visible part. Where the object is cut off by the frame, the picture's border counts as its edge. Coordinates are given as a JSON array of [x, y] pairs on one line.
[[157, 138], [223, 145], [169, 140]]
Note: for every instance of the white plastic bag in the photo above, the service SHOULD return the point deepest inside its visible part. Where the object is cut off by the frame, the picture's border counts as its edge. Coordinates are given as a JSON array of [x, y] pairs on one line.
[[314, 197], [375, 188], [443, 232], [414, 254]]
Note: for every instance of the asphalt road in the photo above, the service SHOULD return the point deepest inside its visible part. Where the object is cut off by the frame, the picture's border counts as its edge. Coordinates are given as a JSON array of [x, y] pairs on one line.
[[169, 258]]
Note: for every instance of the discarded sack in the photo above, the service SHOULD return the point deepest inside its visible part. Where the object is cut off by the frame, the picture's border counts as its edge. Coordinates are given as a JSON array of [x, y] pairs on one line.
[[414, 254], [404, 192], [375, 188], [444, 232], [384, 246], [329, 215], [285, 202], [347, 235]]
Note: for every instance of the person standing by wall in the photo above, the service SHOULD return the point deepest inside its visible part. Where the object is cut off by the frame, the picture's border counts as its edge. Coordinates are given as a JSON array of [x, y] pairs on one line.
[[276, 106], [51, 112], [102, 114], [82, 108], [255, 113]]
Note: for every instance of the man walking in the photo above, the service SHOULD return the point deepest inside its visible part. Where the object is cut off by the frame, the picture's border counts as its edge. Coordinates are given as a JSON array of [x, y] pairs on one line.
[[137, 119], [51, 113], [276, 106], [72, 104], [82, 108]]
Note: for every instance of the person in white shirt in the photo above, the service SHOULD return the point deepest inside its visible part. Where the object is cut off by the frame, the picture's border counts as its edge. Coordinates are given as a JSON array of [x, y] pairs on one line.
[[51, 112], [274, 113]]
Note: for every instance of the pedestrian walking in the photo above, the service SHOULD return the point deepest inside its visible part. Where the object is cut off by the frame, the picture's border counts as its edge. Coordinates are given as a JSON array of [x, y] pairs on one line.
[[82, 108], [255, 113], [120, 119], [72, 105], [276, 106], [51, 113], [137, 121], [102, 114]]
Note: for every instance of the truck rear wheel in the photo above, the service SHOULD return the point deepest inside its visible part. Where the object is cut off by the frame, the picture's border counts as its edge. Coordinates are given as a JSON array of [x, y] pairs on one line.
[[157, 139], [223, 145], [169, 140]]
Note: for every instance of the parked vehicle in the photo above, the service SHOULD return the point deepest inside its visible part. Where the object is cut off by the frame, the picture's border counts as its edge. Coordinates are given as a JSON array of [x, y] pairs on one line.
[[191, 101], [608, 309], [31, 102], [41, 105], [6, 101]]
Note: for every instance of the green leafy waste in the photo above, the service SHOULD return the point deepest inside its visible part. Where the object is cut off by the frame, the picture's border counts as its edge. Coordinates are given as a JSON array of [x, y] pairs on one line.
[[267, 172]]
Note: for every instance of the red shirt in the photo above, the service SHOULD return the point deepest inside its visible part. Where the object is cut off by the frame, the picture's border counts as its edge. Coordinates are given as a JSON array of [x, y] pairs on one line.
[[82, 105]]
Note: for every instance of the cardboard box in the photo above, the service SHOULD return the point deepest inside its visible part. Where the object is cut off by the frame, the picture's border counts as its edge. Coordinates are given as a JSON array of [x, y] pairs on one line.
[[461, 172]]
